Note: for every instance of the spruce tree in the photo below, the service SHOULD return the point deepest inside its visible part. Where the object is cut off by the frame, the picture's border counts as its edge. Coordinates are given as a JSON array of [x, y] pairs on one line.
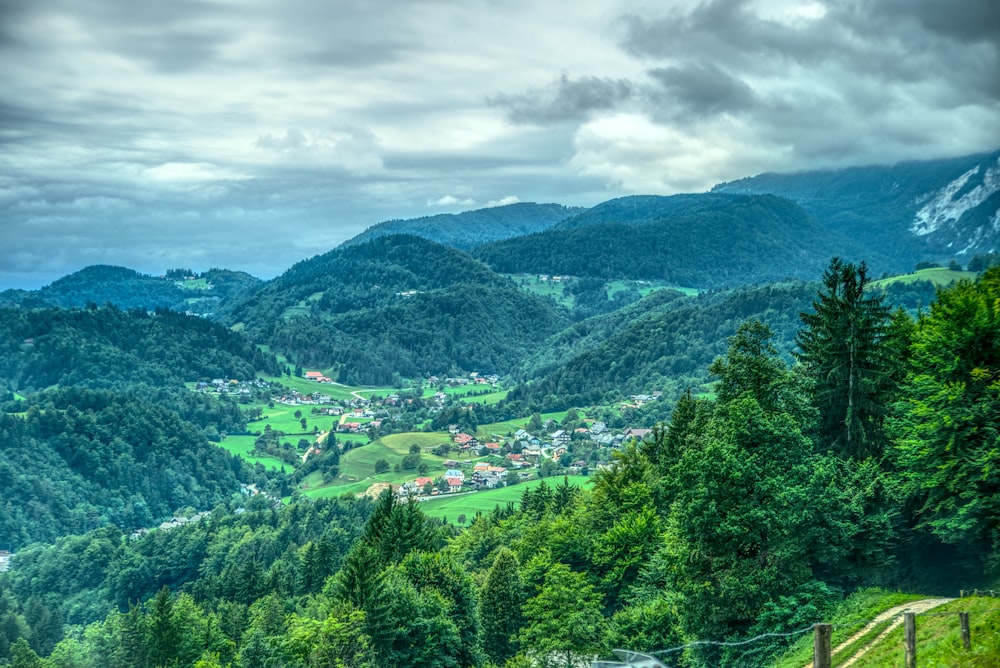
[[500, 607], [842, 351]]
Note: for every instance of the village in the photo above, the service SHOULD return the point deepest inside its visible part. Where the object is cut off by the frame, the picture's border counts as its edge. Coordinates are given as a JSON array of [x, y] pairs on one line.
[[386, 437]]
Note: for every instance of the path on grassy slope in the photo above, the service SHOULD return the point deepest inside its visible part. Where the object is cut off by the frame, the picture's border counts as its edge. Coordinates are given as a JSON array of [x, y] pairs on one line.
[[914, 606], [320, 437]]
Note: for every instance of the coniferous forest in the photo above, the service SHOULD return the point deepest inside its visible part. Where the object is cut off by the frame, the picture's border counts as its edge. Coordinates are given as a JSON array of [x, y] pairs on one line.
[[845, 444]]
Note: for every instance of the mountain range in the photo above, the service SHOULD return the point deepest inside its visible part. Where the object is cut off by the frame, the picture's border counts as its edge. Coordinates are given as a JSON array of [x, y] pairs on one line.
[[434, 294]]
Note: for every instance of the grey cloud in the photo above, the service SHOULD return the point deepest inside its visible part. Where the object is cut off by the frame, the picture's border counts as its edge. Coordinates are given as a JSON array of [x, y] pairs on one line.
[[964, 20], [702, 89], [900, 40], [564, 100]]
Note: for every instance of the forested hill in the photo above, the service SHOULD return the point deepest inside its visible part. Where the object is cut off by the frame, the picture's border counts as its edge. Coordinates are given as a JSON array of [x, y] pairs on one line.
[[108, 347], [691, 240], [100, 284], [915, 210], [398, 305], [472, 228], [667, 341], [127, 289], [80, 459], [662, 343]]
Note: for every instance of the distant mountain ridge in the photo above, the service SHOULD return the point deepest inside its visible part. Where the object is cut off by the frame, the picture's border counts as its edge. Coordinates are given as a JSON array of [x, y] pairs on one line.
[[472, 228], [933, 209], [700, 240], [127, 289]]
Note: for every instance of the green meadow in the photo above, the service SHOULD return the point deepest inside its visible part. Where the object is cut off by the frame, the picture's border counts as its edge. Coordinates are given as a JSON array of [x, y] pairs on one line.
[[450, 506], [241, 447], [510, 426], [547, 288], [645, 287], [357, 466], [196, 284], [936, 275]]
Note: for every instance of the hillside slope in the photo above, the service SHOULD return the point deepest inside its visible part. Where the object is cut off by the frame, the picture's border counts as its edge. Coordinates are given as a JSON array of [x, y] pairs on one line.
[[107, 347], [128, 289], [708, 240], [472, 228], [913, 210], [398, 305]]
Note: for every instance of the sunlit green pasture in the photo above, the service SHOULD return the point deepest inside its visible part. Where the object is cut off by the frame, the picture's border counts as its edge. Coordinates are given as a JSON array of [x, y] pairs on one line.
[[450, 506], [936, 275], [241, 447]]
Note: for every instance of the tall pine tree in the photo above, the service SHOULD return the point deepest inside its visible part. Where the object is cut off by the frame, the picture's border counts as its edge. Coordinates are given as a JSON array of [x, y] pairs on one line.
[[500, 607], [842, 351]]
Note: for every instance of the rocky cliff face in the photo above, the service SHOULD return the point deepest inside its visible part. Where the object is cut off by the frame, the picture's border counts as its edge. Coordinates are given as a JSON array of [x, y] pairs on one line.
[[964, 215]]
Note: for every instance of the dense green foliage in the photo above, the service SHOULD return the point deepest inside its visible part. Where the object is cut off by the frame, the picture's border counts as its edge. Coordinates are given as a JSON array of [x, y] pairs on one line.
[[455, 314], [128, 289], [237, 565], [689, 240], [947, 427], [472, 228], [735, 518], [100, 284], [107, 347], [663, 342], [845, 350], [78, 459]]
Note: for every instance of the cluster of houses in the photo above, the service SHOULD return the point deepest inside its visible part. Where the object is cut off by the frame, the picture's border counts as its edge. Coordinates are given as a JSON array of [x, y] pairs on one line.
[[294, 398], [524, 451], [454, 480], [474, 378], [231, 386]]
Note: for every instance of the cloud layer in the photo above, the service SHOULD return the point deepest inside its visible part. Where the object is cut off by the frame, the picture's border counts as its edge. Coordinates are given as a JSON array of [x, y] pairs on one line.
[[252, 134]]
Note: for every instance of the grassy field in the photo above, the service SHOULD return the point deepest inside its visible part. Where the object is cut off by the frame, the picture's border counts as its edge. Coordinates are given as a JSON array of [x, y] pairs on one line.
[[939, 639], [936, 275], [357, 466], [196, 284], [513, 425], [548, 288], [452, 505], [849, 618], [241, 447], [645, 287], [282, 418]]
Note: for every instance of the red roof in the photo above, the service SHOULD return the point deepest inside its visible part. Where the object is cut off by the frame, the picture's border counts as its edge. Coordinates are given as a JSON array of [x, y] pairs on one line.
[[454, 482]]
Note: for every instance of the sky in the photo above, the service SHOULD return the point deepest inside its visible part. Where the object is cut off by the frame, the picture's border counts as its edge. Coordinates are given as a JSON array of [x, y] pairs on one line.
[[250, 134]]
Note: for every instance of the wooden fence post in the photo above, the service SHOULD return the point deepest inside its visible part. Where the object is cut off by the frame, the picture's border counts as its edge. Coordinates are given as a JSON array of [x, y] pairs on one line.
[[910, 627], [963, 617], [822, 634]]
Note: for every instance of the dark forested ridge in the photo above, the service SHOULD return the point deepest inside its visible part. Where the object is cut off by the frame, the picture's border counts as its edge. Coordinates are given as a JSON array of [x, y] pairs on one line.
[[76, 459], [128, 289], [663, 343], [446, 330], [472, 228], [910, 211], [108, 347], [398, 305], [130, 454], [691, 240]]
